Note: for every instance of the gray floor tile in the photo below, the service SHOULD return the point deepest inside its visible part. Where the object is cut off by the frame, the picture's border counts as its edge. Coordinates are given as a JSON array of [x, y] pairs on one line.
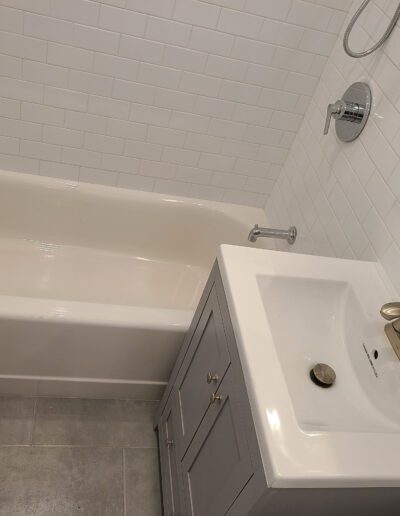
[[115, 423], [142, 485], [16, 416], [61, 481]]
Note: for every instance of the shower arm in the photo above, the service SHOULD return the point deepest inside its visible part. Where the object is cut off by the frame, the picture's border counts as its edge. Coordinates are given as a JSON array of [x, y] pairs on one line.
[[385, 36]]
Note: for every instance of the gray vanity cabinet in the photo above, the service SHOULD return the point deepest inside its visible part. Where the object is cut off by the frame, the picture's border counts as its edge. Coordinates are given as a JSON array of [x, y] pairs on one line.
[[204, 421], [170, 464], [202, 371], [217, 464]]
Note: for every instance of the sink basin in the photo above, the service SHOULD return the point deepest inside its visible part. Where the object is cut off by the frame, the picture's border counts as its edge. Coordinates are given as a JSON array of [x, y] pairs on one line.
[[289, 313]]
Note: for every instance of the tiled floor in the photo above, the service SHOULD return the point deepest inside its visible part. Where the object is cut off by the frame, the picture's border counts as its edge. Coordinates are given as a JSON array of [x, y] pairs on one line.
[[75, 456]]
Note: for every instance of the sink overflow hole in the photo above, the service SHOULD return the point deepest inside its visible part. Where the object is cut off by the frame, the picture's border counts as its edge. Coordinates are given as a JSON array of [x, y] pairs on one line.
[[375, 354]]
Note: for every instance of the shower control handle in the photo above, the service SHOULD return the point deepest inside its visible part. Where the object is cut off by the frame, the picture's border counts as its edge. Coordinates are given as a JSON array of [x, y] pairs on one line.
[[350, 112]]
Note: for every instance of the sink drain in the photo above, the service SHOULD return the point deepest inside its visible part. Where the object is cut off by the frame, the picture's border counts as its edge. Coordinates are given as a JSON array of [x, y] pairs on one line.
[[323, 375]]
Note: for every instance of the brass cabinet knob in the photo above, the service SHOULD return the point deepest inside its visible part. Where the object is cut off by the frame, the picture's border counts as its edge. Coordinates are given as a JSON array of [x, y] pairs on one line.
[[215, 397], [212, 377], [169, 443]]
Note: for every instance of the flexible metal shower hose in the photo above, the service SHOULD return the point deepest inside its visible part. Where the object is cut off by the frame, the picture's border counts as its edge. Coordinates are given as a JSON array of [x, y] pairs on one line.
[[385, 36]]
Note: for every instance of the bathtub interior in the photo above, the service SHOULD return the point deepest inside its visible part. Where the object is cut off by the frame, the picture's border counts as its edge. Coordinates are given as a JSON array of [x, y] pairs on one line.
[[94, 244]]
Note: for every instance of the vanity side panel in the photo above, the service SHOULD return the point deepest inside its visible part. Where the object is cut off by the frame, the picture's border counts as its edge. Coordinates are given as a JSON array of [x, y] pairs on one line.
[[186, 342], [246, 415]]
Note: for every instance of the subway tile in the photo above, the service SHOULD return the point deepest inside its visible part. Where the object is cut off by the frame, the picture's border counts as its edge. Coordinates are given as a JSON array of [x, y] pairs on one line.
[[47, 28], [64, 98], [135, 92], [184, 59], [70, 57], [23, 46], [10, 108], [20, 129], [241, 24], [42, 114], [11, 66], [309, 15], [81, 11], [92, 38], [21, 90], [161, 8], [200, 84], [157, 169], [9, 145], [120, 164], [253, 51], [59, 170], [159, 75], [46, 151], [82, 157], [11, 20], [125, 129], [45, 73], [210, 41], [269, 8], [85, 122], [62, 136], [180, 156], [150, 114], [167, 31], [121, 20], [193, 175], [196, 13], [166, 136], [114, 66], [214, 107], [216, 162], [19, 164], [141, 49], [189, 122], [172, 99], [225, 68], [240, 92], [101, 143], [90, 83], [143, 150], [108, 107], [266, 77]]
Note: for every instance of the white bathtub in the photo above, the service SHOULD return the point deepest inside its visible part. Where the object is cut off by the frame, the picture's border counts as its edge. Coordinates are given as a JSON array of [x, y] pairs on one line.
[[98, 285]]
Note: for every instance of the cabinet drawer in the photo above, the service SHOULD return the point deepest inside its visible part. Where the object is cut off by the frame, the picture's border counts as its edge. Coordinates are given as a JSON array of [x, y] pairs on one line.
[[202, 370], [217, 464], [173, 499]]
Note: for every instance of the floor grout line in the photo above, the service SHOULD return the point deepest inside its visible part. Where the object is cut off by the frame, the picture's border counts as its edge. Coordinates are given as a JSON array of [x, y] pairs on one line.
[[124, 479], [33, 421]]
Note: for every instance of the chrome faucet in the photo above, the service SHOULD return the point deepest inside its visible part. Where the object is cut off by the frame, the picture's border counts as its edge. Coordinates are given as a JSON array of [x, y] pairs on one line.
[[257, 232], [391, 312]]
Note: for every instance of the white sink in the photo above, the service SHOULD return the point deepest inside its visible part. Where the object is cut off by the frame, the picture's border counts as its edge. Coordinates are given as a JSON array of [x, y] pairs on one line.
[[289, 313]]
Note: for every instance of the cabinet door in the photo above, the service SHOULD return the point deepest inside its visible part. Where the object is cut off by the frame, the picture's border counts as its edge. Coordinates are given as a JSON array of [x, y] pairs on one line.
[[217, 464], [207, 355], [170, 466]]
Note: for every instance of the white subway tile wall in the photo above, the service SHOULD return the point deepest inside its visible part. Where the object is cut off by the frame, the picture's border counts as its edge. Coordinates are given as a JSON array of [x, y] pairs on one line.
[[194, 97], [345, 197]]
